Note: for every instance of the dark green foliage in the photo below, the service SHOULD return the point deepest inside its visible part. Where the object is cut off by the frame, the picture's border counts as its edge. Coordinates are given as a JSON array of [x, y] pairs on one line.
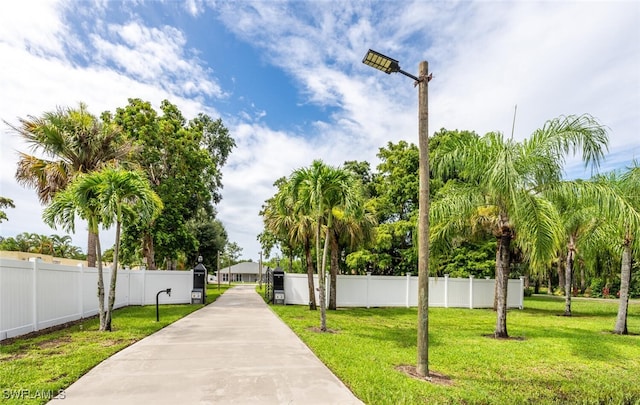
[[476, 259], [183, 162], [212, 238]]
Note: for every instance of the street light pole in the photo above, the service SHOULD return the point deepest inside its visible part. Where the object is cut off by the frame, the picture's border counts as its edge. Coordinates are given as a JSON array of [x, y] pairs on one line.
[[423, 221], [389, 65]]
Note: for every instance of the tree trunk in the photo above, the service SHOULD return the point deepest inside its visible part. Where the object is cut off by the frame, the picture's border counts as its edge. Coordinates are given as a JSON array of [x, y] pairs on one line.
[[310, 271], [625, 279], [101, 312], [561, 271], [91, 250], [496, 285], [148, 251], [568, 276], [583, 280], [114, 279], [549, 285], [502, 280], [334, 271], [290, 259], [321, 278]]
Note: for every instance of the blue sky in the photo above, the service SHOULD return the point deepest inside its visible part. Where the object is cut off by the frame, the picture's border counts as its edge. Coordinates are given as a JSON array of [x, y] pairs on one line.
[[287, 78]]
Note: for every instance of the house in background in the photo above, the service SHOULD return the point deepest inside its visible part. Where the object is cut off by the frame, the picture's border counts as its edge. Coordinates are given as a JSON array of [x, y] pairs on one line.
[[245, 272]]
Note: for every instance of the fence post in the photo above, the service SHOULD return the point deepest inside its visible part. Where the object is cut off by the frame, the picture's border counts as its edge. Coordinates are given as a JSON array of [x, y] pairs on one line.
[[408, 289], [80, 267], [34, 286], [471, 291], [368, 280], [446, 291], [144, 285], [521, 292]]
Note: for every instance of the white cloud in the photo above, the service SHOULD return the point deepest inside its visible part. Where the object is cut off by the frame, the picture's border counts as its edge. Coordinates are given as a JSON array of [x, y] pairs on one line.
[[156, 56], [33, 25]]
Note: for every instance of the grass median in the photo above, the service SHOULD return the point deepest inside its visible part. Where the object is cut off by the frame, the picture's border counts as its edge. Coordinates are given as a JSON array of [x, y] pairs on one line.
[[550, 358], [34, 369]]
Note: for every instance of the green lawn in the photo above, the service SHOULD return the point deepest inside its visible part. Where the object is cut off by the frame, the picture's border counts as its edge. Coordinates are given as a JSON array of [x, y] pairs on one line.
[[44, 364], [556, 360]]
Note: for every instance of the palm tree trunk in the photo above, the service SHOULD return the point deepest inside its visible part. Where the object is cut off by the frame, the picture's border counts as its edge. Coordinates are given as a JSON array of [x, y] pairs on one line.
[[502, 280], [625, 278], [334, 272], [101, 311], [91, 249], [322, 276], [310, 271], [321, 279], [290, 259], [496, 285], [561, 271], [568, 276], [114, 279], [148, 251]]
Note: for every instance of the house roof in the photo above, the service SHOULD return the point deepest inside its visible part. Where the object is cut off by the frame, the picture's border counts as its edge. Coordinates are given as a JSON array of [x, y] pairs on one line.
[[245, 268]]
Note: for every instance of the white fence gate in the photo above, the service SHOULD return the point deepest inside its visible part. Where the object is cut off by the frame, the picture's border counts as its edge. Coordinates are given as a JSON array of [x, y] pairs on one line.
[[393, 291], [35, 295]]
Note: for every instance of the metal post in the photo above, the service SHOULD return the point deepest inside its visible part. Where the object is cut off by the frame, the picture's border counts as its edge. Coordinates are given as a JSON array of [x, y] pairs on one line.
[[260, 272], [218, 274], [168, 291], [423, 222]]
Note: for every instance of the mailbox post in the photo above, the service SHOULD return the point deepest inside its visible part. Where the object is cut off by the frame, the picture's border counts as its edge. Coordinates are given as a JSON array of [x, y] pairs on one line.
[[199, 291], [278, 286]]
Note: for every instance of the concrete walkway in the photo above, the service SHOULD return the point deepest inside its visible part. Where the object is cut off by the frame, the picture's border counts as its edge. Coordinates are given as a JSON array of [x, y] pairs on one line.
[[232, 351]]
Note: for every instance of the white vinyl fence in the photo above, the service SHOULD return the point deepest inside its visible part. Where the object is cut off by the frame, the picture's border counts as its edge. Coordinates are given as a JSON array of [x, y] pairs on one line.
[[393, 291], [35, 295]]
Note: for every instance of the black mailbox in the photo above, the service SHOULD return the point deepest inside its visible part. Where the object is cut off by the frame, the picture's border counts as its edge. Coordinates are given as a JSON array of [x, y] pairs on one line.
[[278, 286], [199, 291]]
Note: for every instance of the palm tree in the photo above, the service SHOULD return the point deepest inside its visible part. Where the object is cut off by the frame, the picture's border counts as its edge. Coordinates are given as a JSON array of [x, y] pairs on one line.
[[62, 246], [349, 232], [507, 176], [622, 222], [318, 191], [102, 198], [82, 198], [630, 190], [291, 227], [578, 220], [72, 141], [125, 194]]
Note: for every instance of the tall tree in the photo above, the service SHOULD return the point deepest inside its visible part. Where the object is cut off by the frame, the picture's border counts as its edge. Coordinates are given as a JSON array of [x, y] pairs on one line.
[[578, 220], [102, 198], [318, 190], [72, 141], [617, 232], [290, 227], [506, 176], [183, 162], [211, 237], [81, 198], [125, 195], [630, 190]]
